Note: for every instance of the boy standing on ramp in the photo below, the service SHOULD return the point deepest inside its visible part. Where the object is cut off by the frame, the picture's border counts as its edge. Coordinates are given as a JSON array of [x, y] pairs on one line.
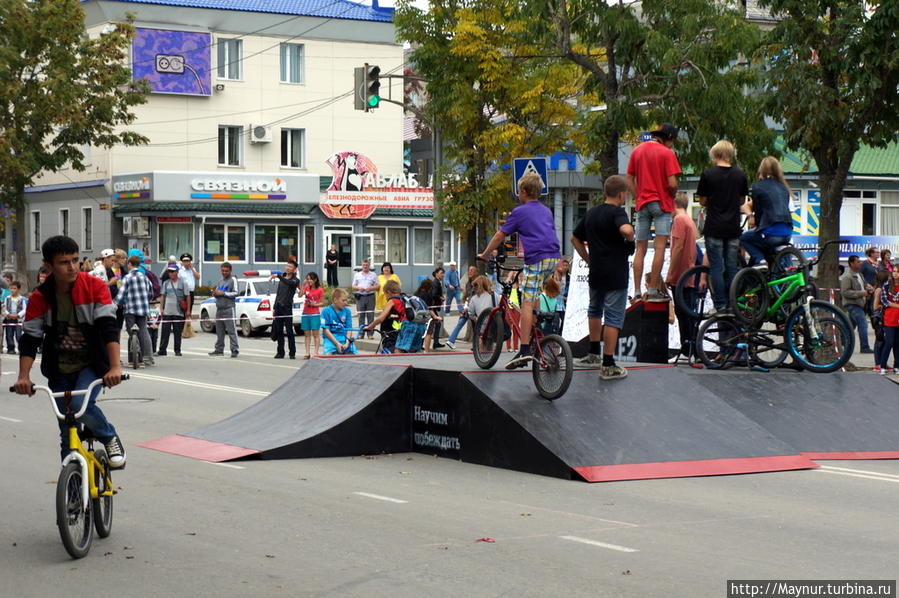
[[608, 233], [533, 222]]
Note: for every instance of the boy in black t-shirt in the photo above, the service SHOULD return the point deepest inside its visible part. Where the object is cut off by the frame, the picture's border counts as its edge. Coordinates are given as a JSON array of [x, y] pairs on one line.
[[608, 233]]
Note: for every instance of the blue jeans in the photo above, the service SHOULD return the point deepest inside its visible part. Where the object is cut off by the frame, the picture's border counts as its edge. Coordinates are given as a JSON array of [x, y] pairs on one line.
[[724, 261], [450, 295], [93, 417], [890, 343], [859, 320], [463, 319], [757, 244]]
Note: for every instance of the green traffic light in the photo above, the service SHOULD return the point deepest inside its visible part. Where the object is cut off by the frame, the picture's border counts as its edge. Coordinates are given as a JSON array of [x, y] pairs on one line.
[[373, 101]]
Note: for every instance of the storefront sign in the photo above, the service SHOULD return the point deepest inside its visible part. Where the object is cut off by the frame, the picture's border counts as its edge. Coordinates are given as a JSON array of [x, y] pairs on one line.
[[856, 245], [173, 219], [239, 188], [132, 189], [357, 189]]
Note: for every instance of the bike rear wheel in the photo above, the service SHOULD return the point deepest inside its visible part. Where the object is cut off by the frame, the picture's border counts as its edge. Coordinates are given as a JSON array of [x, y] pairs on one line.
[[749, 296], [716, 341], [787, 261], [73, 518], [764, 350], [134, 350], [102, 505], [825, 346], [552, 366], [487, 343], [701, 302]]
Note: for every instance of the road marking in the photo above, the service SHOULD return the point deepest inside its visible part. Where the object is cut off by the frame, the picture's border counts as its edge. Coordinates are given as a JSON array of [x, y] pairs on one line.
[[10, 419], [569, 514], [228, 465], [255, 393], [379, 497], [886, 475], [600, 544], [860, 475]]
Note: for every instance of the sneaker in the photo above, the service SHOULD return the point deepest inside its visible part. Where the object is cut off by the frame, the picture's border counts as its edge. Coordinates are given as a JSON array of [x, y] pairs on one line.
[[177, 353], [216, 353], [149, 362], [234, 353], [895, 371], [877, 369], [451, 345], [519, 361], [655, 296], [439, 345], [279, 355], [612, 372], [590, 360], [162, 353], [116, 453], [884, 371], [866, 351]]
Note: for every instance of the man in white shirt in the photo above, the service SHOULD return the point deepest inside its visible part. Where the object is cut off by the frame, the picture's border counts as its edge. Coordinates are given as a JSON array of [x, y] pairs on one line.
[[365, 283], [190, 276]]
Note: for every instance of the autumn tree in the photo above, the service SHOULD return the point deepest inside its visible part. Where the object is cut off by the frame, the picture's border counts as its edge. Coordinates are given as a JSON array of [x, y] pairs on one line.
[[60, 91], [678, 61], [492, 94], [833, 83]]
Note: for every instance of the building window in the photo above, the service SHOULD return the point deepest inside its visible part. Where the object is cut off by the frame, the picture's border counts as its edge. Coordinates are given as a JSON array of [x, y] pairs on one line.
[[308, 244], [230, 57], [389, 245], [64, 222], [36, 231], [423, 246], [87, 222], [889, 213], [230, 141], [275, 243], [174, 239], [225, 243], [291, 63], [292, 145]]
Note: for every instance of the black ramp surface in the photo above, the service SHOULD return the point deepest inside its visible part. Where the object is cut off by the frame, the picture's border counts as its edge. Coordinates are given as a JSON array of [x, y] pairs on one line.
[[329, 408], [654, 415], [816, 413]]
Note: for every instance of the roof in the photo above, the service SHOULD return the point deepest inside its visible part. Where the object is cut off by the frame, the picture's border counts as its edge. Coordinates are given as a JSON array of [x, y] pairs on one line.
[[868, 161], [287, 208], [64, 186], [333, 9]]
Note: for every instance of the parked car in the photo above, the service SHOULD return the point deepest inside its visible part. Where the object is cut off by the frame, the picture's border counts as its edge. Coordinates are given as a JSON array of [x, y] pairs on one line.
[[254, 305]]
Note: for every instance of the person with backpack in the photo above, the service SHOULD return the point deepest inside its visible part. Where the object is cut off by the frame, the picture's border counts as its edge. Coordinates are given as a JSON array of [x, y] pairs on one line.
[[391, 317], [135, 297], [546, 304], [413, 323]]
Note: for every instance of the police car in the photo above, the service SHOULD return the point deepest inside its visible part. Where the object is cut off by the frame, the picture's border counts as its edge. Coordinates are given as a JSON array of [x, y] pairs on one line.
[[254, 305]]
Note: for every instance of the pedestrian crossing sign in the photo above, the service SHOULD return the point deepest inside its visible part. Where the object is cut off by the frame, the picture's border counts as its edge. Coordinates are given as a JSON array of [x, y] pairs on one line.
[[522, 166]]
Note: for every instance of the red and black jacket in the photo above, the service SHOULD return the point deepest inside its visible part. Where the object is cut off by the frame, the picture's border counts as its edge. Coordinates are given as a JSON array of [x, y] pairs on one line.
[[94, 311]]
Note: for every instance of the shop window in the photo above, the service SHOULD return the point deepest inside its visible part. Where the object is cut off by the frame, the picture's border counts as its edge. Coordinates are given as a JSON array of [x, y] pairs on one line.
[[230, 139], [889, 213], [224, 243], [389, 245], [292, 145], [36, 231], [292, 63], [87, 222], [869, 219], [308, 244], [423, 246], [64, 222], [174, 239], [275, 243], [230, 57]]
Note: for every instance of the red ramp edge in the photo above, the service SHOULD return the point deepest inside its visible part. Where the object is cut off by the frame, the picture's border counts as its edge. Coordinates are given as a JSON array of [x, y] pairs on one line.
[[686, 469], [852, 455], [196, 448]]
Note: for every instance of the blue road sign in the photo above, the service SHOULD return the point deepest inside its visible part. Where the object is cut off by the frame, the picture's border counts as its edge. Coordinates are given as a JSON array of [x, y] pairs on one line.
[[522, 166]]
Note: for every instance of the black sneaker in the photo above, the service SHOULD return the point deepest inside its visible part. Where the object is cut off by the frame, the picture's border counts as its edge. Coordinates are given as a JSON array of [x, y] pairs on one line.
[[162, 353], [177, 353], [216, 353], [519, 361], [116, 453], [234, 353], [279, 355]]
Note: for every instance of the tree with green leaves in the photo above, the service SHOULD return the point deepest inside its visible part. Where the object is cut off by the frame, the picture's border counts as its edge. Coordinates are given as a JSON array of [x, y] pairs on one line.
[[678, 61], [492, 95], [833, 82], [60, 90]]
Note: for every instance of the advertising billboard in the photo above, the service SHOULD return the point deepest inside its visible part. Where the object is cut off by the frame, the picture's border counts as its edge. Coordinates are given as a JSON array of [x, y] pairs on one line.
[[178, 62]]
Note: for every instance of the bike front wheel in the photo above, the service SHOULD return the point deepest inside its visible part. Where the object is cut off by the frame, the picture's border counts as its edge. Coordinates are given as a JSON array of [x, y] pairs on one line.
[[717, 340], [822, 343], [102, 505], [552, 366], [687, 296], [73, 517], [487, 343]]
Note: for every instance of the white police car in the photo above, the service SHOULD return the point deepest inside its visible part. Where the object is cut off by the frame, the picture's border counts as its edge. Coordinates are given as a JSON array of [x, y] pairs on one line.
[[254, 305]]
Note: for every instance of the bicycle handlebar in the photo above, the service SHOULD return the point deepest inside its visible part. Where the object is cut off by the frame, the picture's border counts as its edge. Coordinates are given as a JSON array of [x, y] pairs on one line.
[[58, 395], [500, 267]]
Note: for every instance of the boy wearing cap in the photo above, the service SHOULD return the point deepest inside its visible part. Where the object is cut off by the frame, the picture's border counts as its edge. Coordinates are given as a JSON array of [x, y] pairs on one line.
[[652, 175], [174, 297]]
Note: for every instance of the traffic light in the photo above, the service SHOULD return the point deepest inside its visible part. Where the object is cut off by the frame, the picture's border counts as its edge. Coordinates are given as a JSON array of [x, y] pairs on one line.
[[372, 86]]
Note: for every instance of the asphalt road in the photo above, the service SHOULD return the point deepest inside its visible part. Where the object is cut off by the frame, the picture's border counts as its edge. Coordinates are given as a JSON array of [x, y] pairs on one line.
[[409, 525]]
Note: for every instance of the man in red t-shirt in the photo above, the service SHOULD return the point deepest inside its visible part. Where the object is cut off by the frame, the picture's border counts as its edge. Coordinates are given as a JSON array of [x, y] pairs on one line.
[[652, 173]]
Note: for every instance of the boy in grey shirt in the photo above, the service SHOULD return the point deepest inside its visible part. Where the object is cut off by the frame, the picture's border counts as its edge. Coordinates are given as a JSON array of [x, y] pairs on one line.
[[225, 293]]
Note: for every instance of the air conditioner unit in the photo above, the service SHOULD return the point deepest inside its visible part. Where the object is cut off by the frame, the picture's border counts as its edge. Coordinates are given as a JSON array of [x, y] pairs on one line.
[[141, 226], [260, 134], [126, 226]]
